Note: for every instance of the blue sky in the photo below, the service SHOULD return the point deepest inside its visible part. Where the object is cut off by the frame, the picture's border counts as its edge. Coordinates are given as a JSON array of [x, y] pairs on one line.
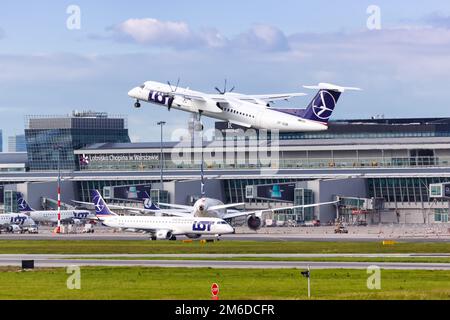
[[260, 46]]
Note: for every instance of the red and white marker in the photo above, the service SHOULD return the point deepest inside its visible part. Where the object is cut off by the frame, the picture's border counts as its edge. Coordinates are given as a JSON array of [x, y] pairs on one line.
[[215, 291], [58, 230]]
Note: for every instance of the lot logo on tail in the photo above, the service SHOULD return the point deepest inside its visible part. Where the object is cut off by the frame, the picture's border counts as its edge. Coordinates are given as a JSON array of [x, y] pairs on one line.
[[323, 105], [148, 204], [22, 204], [100, 206]]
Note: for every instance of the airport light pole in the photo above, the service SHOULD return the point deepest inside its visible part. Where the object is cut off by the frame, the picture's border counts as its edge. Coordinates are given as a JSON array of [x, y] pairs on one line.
[[307, 274], [58, 230], [161, 162]]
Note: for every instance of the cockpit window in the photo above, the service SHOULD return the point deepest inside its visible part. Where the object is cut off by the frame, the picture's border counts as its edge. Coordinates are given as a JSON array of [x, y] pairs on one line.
[[142, 87]]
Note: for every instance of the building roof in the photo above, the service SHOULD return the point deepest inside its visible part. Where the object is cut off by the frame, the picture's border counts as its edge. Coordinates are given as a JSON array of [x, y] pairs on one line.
[[394, 121], [16, 157], [130, 145]]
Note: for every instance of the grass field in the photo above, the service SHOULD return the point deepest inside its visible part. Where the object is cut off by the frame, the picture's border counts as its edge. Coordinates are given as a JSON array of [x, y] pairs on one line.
[[185, 283], [155, 247]]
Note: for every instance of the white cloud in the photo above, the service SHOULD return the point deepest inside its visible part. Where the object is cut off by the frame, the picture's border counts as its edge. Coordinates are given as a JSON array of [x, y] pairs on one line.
[[172, 34], [437, 19], [179, 35], [154, 32], [419, 51], [262, 37]]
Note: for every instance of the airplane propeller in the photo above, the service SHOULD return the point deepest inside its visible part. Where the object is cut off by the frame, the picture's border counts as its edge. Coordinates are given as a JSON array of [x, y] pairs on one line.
[[173, 90], [176, 88], [224, 88]]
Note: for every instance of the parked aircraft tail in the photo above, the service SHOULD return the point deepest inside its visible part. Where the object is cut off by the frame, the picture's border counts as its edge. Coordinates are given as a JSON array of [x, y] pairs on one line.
[[148, 203], [101, 208], [22, 205]]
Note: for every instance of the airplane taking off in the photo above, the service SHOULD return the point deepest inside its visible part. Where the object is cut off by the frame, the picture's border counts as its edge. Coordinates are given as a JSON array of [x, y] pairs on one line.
[[160, 228], [249, 111], [15, 222], [51, 216]]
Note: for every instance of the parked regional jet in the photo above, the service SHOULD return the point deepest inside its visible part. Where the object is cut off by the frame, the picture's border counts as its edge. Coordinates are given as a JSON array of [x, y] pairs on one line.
[[15, 222], [160, 227], [249, 111], [51, 216], [209, 207]]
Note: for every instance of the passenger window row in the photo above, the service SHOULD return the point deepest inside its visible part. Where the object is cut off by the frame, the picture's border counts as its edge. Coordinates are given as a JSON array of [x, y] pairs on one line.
[[237, 112]]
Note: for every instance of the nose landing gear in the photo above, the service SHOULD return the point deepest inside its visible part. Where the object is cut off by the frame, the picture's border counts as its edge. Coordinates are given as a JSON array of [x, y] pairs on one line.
[[137, 104]]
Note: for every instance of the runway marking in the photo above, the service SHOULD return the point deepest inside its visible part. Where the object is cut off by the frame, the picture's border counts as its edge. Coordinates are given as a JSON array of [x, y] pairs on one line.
[[61, 262]]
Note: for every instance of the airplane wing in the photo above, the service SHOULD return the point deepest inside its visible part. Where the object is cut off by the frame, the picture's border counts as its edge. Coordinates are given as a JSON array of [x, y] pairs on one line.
[[138, 210], [198, 98], [242, 124], [111, 206], [177, 206], [266, 98], [247, 213], [226, 206], [87, 204], [204, 102]]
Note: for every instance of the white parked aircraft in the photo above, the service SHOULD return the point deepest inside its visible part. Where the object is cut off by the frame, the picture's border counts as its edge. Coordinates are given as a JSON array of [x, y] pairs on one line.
[[15, 222], [249, 111], [208, 207], [51, 216], [160, 227]]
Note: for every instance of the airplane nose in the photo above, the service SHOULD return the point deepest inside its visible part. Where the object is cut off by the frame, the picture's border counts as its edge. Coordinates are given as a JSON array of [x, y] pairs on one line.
[[133, 93]]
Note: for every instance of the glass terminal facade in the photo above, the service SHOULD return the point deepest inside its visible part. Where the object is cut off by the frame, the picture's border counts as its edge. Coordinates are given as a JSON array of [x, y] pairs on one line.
[[53, 139]]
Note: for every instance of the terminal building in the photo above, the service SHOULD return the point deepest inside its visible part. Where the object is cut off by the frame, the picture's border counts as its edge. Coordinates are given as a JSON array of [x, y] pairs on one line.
[[17, 143], [380, 170]]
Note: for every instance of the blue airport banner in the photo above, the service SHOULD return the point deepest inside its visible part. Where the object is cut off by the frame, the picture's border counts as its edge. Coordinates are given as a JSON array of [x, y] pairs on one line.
[[276, 192], [138, 192]]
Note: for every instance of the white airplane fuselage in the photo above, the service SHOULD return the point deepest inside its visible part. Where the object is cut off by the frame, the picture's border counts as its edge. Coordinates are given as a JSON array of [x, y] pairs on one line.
[[236, 111], [51, 216], [19, 219], [176, 225]]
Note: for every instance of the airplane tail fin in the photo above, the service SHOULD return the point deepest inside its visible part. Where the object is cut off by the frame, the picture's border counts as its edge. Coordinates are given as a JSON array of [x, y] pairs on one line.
[[322, 105], [22, 205], [101, 208], [148, 203]]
